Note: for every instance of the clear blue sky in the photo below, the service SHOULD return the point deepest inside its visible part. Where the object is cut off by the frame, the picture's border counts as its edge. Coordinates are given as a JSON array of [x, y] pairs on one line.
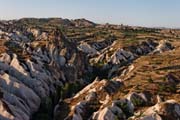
[[159, 13]]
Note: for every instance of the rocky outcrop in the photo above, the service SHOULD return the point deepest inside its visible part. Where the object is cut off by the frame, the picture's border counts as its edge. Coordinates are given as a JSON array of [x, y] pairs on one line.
[[121, 109], [126, 54], [101, 91], [115, 111], [162, 47], [121, 56], [90, 98], [40, 66], [33, 71], [103, 44], [86, 48], [110, 113], [5, 58], [168, 110]]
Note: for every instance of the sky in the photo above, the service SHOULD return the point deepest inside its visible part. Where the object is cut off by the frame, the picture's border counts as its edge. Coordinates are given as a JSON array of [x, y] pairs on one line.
[[148, 13]]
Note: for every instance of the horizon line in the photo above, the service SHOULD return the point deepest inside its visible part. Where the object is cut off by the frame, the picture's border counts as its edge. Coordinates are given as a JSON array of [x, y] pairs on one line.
[[101, 23]]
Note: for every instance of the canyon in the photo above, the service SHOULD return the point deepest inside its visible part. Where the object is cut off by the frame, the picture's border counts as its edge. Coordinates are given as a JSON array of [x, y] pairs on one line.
[[60, 69]]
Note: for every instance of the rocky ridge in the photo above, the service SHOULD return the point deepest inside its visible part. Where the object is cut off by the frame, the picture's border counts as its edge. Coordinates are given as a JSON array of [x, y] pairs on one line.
[[45, 73], [33, 70], [96, 98]]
